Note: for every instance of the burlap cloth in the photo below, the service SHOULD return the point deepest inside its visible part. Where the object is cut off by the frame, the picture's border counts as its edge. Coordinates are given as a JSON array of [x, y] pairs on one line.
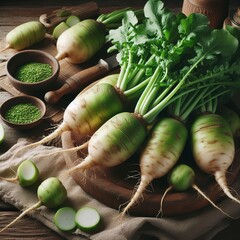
[[202, 225]]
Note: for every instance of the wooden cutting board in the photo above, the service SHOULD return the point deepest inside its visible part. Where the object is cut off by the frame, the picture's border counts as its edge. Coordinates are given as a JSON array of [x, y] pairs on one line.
[[67, 70], [54, 112], [114, 186]]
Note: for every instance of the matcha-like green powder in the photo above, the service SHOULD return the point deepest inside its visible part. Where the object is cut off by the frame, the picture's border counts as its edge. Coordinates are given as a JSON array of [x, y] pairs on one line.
[[34, 72], [23, 113]]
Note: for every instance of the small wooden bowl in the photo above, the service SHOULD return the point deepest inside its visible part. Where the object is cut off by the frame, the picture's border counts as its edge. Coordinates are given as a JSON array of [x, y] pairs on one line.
[[28, 56], [22, 99]]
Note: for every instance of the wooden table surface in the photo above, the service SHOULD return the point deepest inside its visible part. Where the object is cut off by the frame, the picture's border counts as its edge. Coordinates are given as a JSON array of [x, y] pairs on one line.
[[13, 13]]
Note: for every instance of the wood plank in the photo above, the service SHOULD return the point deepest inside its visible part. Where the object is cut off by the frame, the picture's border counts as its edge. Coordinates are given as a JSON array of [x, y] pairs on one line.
[[25, 228]]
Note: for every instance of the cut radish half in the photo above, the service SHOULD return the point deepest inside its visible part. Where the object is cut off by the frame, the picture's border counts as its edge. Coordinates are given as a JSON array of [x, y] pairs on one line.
[[27, 173], [88, 219], [64, 219]]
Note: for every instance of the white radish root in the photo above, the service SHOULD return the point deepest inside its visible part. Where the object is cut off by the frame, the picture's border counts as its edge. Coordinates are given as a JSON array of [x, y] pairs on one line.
[[159, 154], [214, 148], [114, 142]]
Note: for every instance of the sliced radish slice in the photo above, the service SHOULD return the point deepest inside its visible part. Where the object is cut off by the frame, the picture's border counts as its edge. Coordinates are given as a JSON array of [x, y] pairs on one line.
[[88, 219], [27, 173], [64, 219]]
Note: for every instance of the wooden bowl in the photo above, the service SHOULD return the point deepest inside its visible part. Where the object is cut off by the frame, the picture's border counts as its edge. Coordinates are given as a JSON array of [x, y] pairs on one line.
[[28, 56], [22, 99], [114, 188]]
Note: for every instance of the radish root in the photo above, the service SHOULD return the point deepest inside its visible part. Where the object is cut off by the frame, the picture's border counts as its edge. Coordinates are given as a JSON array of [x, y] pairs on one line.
[[145, 181], [5, 48], [12, 180], [85, 164], [160, 212], [222, 181], [194, 186], [51, 136], [84, 145], [35, 206]]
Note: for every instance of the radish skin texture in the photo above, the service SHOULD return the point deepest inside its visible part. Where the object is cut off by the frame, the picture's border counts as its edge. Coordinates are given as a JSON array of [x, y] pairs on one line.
[[160, 153], [213, 144], [181, 177], [51, 192], [232, 118], [59, 29], [87, 112], [25, 35], [91, 109], [81, 41], [114, 142], [213, 147]]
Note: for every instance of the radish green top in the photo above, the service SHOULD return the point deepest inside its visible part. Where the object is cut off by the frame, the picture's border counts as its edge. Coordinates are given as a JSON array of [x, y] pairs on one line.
[[179, 54]]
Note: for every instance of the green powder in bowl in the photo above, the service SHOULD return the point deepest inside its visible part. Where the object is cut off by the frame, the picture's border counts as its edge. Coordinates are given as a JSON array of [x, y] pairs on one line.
[[34, 72], [23, 113]]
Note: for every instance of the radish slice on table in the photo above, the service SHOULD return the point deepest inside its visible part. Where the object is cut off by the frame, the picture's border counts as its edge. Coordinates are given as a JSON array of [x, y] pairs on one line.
[[27, 174], [64, 219], [88, 219]]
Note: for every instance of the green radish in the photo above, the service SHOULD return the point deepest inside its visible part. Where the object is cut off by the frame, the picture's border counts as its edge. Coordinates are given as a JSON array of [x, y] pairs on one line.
[[213, 148], [59, 29], [64, 219], [80, 42], [87, 112], [2, 133], [88, 219], [27, 174], [232, 119], [114, 142], [160, 153], [182, 178], [72, 20], [25, 35], [63, 26], [51, 193]]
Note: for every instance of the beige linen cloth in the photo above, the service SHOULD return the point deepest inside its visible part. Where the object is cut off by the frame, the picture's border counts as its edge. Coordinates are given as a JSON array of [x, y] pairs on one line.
[[202, 225]]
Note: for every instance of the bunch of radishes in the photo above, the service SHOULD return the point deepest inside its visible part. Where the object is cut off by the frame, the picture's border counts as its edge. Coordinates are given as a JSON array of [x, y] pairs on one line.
[[171, 65]]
